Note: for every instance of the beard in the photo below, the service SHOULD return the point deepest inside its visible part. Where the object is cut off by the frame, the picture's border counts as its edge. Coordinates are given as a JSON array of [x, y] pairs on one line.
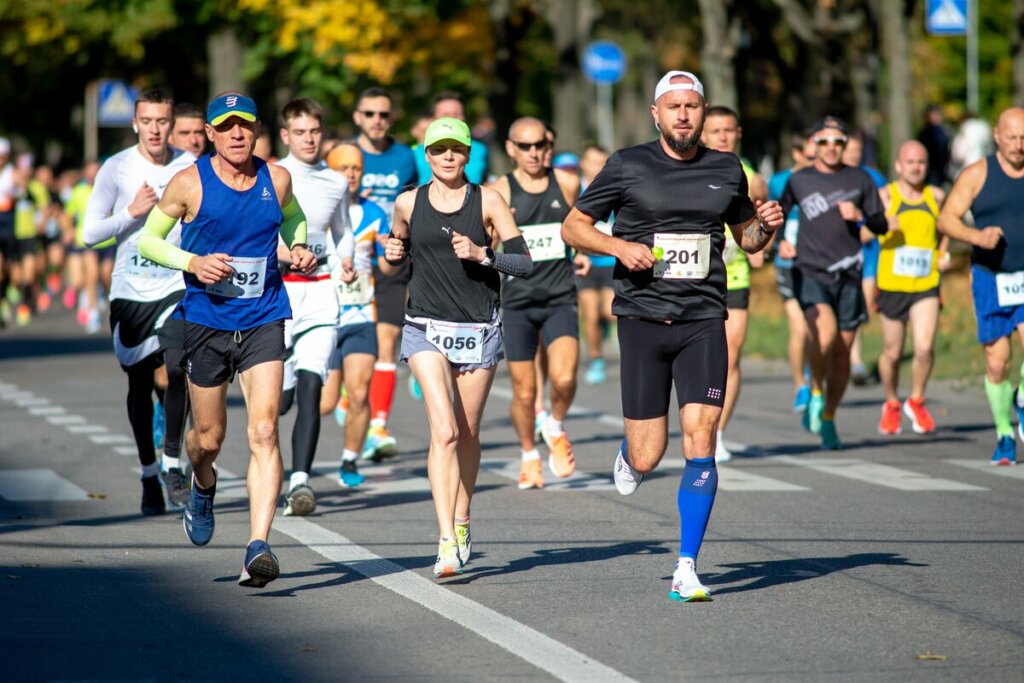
[[682, 144]]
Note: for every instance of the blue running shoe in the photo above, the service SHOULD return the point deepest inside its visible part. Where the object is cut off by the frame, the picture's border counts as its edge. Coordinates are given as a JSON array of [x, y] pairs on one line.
[[829, 437], [379, 444], [1006, 451], [414, 388], [801, 399], [159, 425], [348, 474], [260, 566], [812, 416], [595, 372], [198, 517]]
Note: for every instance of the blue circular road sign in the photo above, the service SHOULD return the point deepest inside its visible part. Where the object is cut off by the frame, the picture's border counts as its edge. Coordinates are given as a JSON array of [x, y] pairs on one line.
[[604, 62]]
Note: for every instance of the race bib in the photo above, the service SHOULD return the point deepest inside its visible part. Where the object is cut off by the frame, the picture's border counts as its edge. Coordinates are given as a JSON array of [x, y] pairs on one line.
[[318, 245], [912, 262], [461, 343], [1010, 288], [545, 241], [682, 257], [141, 268], [245, 283], [355, 293]]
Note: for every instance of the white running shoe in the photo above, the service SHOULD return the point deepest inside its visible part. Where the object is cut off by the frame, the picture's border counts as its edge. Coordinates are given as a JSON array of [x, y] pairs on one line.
[[465, 542], [448, 562], [686, 587], [626, 480], [722, 454]]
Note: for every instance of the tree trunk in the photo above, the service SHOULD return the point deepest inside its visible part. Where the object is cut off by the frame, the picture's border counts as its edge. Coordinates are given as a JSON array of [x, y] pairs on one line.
[[718, 53], [571, 22], [893, 22], [1017, 50], [224, 54]]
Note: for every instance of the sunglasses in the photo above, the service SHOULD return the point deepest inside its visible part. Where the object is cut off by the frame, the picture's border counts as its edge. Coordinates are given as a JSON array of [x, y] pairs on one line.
[[376, 114], [838, 141], [527, 146]]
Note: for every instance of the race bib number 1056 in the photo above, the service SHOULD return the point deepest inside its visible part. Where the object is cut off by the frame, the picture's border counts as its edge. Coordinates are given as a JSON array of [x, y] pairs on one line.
[[461, 343]]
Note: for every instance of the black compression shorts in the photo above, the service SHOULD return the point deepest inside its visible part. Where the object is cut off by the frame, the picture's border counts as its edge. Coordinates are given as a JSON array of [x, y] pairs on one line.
[[654, 354], [521, 327]]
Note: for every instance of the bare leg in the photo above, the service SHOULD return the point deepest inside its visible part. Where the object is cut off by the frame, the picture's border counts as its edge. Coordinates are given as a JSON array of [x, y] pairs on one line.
[[261, 388]]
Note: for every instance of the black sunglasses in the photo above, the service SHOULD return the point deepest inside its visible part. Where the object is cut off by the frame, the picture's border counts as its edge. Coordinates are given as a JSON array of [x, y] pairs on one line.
[[527, 146], [376, 114]]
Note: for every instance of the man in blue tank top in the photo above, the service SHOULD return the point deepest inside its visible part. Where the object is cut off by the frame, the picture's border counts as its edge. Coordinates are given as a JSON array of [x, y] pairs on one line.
[[993, 190], [233, 209]]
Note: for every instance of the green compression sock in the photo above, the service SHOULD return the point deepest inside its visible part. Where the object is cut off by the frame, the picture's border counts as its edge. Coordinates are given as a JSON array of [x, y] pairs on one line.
[[1000, 397]]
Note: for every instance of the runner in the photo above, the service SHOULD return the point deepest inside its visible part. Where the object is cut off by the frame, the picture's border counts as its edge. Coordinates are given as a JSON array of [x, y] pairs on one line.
[[909, 263], [83, 264], [232, 206], [390, 168], [722, 132], [189, 132], [144, 294], [452, 336], [671, 200], [8, 245], [992, 189], [352, 362], [310, 334], [836, 203], [541, 309], [448, 104]]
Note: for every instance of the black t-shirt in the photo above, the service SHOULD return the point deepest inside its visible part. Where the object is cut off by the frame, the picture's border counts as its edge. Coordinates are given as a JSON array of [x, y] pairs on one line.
[[829, 247], [653, 194]]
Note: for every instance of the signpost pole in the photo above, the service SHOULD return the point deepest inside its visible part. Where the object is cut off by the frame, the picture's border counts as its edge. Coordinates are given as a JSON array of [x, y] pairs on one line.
[[604, 63], [605, 117], [91, 132], [972, 55]]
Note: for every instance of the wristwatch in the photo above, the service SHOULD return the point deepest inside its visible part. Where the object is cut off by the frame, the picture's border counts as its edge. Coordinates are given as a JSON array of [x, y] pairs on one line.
[[488, 257], [304, 245]]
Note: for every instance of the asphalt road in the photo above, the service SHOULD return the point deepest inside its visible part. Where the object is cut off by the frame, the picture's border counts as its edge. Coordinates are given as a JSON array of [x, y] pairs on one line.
[[895, 559]]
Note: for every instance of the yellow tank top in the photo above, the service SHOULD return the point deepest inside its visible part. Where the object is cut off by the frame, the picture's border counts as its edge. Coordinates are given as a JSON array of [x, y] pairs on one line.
[[737, 267], [908, 261]]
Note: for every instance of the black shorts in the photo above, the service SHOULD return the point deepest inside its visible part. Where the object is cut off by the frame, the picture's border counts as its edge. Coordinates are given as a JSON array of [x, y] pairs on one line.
[[137, 327], [172, 334], [654, 354], [27, 247], [521, 328], [8, 244], [597, 278], [844, 297], [897, 305], [389, 295], [358, 338], [107, 253], [212, 357], [738, 299], [784, 281]]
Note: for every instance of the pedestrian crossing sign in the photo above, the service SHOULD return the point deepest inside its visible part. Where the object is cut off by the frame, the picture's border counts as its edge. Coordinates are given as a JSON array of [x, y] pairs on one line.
[[115, 103]]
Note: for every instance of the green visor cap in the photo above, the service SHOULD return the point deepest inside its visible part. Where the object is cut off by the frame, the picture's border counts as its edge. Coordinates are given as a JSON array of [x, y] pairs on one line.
[[447, 129]]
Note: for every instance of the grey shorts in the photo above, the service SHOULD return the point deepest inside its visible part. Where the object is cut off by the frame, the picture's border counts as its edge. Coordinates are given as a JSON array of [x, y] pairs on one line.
[[414, 340]]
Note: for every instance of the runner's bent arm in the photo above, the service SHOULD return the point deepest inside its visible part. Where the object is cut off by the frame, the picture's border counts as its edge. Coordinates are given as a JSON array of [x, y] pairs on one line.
[[515, 260], [950, 222], [100, 223], [396, 249]]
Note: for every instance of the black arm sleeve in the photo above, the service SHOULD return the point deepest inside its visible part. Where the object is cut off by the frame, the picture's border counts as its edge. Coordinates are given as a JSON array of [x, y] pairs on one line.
[[515, 260], [874, 210]]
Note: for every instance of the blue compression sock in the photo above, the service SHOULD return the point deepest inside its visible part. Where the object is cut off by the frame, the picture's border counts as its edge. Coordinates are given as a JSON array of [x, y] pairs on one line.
[[696, 496]]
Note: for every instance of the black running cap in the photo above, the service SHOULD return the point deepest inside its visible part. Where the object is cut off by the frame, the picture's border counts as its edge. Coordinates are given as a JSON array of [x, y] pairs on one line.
[[829, 122]]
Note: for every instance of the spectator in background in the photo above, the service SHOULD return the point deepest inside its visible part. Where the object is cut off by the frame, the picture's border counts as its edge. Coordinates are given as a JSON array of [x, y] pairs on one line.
[[973, 141], [448, 104], [936, 141], [189, 132], [264, 148]]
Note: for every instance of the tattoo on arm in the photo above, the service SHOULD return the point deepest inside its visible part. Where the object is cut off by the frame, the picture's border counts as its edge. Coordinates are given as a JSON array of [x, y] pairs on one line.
[[755, 237]]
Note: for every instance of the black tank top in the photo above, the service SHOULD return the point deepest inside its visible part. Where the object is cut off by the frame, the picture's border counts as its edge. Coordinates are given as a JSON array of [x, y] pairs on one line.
[[1001, 203], [443, 286], [552, 282]]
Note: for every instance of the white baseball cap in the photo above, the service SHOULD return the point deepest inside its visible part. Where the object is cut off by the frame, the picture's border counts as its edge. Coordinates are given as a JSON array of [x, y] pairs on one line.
[[666, 85]]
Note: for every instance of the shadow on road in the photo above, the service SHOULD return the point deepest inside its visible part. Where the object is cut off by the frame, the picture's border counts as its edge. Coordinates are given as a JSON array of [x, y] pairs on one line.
[[19, 347]]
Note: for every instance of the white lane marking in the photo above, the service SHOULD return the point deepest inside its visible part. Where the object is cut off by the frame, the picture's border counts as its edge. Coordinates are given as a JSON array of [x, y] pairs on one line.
[[577, 481], [86, 429], [986, 466], [543, 652], [108, 439], [126, 450], [230, 485], [881, 475], [66, 419], [47, 410], [38, 484], [736, 478], [17, 395], [29, 402]]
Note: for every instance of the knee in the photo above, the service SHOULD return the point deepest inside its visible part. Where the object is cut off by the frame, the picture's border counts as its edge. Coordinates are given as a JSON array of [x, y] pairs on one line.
[[444, 435], [923, 355], [263, 434], [358, 396], [206, 443], [563, 385]]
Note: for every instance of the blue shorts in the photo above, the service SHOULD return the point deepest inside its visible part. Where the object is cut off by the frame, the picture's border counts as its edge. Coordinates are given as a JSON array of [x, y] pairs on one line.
[[994, 321], [358, 338], [870, 250]]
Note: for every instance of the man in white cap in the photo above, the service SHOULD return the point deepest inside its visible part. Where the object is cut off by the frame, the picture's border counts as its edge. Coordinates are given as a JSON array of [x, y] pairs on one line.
[[672, 199]]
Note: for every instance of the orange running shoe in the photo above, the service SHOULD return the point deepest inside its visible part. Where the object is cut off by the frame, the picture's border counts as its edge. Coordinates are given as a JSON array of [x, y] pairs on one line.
[[531, 475], [921, 420], [561, 461], [890, 423], [23, 316]]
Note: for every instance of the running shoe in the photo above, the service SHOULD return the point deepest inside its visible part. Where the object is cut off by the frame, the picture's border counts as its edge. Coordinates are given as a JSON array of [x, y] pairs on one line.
[[561, 461], [890, 422], [920, 419], [23, 316], [152, 496], [722, 454], [198, 518], [43, 302], [53, 284], [341, 411], [414, 388], [448, 562], [465, 542], [159, 425], [812, 416], [626, 479], [379, 444], [301, 501], [829, 437], [177, 487], [686, 587], [348, 474], [70, 298], [538, 424], [531, 475], [260, 566], [82, 316], [801, 398], [1020, 413], [1006, 451], [859, 375], [595, 372], [93, 323]]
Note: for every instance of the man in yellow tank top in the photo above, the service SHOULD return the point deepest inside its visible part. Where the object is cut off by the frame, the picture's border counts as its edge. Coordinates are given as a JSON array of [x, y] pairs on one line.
[[908, 285]]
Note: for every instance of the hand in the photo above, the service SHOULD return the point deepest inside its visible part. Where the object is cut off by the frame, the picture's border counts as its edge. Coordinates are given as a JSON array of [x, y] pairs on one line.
[[304, 260], [849, 212], [211, 269], [787, 250], [145, 200], [894, 223], [635, 256], [465, 249], [348, 270], [988, 238], [770, 214], [582, 264], [394, 250], [945, 261]]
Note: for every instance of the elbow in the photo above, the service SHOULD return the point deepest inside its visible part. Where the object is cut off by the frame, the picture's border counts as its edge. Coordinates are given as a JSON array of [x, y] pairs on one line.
[[528, 267], [569, 235]]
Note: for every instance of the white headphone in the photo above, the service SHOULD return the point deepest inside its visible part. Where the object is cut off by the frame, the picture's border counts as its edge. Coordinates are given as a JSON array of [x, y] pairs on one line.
[[135, 128]]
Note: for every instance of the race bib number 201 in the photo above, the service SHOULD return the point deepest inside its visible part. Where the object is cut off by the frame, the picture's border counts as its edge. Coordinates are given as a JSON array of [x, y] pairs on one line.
[[682, 257], [246, 282], [461, 343]]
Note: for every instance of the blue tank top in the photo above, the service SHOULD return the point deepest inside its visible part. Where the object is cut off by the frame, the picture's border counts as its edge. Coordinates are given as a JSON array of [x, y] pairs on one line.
[[1000, 203], [243, 225]]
